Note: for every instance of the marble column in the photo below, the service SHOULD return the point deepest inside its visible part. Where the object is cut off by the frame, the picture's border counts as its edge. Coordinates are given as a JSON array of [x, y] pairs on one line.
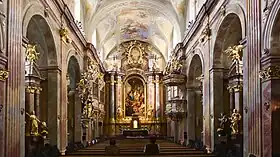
[[3, 76], [173, 129], [216, 102], [191, 113], [151, 91], [53, 107], [231, 99], [112, 105], [97, 128], [238, 103], [37, 102], [270, 108], [30, 99], [77, 119], [157, 96], [251, 84], [119, 93], [14, 137], [64, 106]]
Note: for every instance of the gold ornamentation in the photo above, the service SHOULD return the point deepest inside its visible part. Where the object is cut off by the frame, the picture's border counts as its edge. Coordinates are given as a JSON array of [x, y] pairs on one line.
[[34, 130], [31, 54], [174, 66], [88, 110], [272, 72], [4, 74], [64, 34], [235, 88], [44, 129], [135, 53], [33, 89], [234, 119], [234, 52], [120, 113]]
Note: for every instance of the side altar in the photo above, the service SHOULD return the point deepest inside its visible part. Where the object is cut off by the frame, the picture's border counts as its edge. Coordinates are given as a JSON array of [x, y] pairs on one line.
[[135, 92]]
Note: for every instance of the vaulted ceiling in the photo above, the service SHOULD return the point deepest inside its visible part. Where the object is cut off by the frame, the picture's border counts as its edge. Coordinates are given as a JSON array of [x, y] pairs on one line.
[[111, 22]]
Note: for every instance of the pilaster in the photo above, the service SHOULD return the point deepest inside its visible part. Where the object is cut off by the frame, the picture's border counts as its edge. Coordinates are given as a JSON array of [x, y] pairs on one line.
[[251, 59], [270, 75], [15, 83]]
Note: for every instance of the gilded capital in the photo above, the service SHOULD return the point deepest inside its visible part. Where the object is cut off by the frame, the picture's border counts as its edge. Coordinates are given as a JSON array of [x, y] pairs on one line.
[[235, 88], [32, 89], [4, 74], [272, 72]]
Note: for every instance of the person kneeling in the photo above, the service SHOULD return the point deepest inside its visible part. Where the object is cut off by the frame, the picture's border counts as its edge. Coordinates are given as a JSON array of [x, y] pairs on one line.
[[152, 148]]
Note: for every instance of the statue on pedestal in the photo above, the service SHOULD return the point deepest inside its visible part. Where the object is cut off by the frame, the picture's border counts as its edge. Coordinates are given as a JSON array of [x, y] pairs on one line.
[[223, 120], [44, 129], [34, 124], [234, 119]]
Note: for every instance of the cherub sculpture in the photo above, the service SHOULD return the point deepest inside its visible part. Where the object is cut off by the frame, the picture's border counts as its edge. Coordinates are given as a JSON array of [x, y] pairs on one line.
[[31, 54]]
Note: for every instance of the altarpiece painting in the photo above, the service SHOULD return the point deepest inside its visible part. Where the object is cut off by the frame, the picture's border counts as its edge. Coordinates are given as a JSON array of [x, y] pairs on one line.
[[135, 97]]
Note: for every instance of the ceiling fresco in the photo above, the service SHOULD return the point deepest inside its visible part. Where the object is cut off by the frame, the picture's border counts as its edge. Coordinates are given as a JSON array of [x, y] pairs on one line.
[[156, 22]]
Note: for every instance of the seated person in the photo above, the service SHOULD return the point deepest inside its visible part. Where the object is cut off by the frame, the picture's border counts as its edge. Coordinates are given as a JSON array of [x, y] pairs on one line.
[[112, 149], [152, 148]]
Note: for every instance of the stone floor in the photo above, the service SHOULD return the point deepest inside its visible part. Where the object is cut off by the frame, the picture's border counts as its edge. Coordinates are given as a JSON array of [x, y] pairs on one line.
[[134, 147]]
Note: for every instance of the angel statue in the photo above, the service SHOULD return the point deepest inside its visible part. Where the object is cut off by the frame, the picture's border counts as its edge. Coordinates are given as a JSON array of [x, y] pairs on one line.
[[234, 119], [31, 54], [234, 52], [34, 124], [223, 120], [44, 129]]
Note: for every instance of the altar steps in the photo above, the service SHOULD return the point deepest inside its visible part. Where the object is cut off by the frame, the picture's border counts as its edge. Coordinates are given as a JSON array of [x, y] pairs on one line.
[[129, 147]]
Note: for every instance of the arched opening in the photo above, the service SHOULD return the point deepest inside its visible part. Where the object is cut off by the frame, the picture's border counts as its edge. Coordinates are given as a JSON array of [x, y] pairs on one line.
[[226, 76], [74, 103], [42, 86], [194, 104], [275, 112]]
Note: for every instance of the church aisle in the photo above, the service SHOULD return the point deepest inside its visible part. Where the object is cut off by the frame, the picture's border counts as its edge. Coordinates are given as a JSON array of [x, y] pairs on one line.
[[134, 147]]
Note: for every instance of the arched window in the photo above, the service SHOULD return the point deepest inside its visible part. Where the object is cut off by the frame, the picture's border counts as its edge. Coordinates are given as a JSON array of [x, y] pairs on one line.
[[77, 10]]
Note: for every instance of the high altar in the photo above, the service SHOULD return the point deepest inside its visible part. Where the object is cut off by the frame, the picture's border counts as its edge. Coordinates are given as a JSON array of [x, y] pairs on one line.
[[135, 90]]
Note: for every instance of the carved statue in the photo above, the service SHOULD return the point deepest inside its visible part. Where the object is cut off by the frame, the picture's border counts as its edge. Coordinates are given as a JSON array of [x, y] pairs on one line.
[[222, 119], [120, 112], [31, 54], [34, 124], [87, 110], [44, 129], [234, 52], [150, 113], [234, 119]]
